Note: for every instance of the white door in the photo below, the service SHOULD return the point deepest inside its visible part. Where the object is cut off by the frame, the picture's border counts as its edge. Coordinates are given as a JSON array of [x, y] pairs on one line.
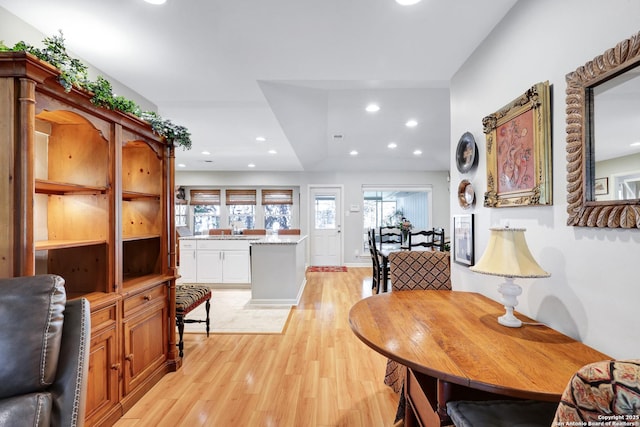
[[326, 221]]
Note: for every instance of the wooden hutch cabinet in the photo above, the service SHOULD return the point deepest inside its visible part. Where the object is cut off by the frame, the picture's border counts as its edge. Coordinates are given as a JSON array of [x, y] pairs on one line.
[[87, 193]]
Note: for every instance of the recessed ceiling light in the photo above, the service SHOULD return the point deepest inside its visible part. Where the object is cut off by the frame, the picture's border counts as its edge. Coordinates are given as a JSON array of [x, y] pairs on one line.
[[156, 1], [407, 2], [353, 153], [182, 165], [417, 152], [411, 123], [206, 153], [635, 144], [272, 152], [372, 108], [392, 145], [251, 165], [261, 139]]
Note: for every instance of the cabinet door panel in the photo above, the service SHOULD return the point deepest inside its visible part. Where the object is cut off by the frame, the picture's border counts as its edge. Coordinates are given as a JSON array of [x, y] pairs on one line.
[[102, 385], [187, 267], [236, 267], [209, 269], [145, 345]]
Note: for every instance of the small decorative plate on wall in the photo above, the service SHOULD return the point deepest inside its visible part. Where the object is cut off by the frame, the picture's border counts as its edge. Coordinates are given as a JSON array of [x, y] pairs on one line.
[[466, 153], [466, 194]]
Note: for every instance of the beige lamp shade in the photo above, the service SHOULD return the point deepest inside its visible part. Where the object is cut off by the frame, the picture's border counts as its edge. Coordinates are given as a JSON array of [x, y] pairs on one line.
[[508, 255]]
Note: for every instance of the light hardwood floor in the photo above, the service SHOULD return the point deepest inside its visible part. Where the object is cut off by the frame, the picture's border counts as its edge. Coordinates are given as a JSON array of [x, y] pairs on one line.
[[315, 374]]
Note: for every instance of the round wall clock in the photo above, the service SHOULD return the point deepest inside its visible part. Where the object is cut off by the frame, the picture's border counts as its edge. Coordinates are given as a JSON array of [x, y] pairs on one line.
[[466, 153]]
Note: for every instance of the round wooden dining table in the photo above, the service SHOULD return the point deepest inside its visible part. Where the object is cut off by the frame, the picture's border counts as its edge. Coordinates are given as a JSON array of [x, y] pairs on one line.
[[453, 345]]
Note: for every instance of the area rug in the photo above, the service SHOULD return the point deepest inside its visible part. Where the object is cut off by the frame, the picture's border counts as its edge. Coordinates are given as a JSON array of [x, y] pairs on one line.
[[327, 269], [230, 313]]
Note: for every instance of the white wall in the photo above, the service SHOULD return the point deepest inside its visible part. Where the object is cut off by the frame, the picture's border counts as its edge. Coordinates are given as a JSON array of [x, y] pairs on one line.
[[593, 293], [352, 194], [14, 30]]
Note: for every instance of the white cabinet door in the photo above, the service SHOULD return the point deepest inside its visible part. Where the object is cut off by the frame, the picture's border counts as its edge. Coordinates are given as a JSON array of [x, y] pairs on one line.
[[236, 267], [209, 268], [187, 268]]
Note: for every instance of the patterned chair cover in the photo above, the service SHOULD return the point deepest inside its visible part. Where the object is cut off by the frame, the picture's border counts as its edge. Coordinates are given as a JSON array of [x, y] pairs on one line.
[[601, 393], [411, 270], [610, 387]]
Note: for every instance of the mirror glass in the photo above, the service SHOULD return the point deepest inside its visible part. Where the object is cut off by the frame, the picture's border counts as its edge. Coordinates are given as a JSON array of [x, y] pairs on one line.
[[615, 131]]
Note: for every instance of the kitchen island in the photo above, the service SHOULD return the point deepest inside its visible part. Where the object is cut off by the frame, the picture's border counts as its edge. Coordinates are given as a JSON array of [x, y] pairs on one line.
[[272, 266], [278, 270]]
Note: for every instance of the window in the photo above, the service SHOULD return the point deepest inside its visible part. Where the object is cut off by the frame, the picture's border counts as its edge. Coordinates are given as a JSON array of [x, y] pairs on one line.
[[206, 210], [277, 209], [242, 207], [181, 213], [325, 212], [387, 206]]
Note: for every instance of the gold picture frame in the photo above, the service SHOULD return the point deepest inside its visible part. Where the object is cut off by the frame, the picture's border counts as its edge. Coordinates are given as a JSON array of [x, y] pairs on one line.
[[518, 136]]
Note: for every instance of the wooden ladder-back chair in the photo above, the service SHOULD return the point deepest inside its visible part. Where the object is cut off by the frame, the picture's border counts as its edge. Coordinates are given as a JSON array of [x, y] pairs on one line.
[[390, 235], [415, 270], [420, 238], [376, 273], [438, 239]]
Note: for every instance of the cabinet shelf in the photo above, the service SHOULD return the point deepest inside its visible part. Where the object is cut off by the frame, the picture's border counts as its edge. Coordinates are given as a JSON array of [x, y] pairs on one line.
[[44, 245], [145, 280], [62, 188], [135, 195], [133, 238]]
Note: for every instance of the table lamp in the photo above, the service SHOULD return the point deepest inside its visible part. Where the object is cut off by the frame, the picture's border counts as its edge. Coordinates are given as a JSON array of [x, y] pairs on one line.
[[508, 255]]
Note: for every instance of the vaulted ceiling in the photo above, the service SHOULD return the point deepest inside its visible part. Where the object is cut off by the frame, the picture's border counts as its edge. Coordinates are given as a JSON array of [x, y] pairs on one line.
[[298, 73]]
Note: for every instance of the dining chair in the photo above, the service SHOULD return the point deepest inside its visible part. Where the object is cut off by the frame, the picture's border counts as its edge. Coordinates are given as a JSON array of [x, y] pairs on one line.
[[608, 388], [420, 239], [376, 273], [411, 270], [389, 234], [438, 238], [220, 232], [254, 232], [288, 231]]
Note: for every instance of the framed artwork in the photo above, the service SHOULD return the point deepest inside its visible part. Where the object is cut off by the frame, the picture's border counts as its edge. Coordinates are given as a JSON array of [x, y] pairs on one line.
[[519, 169], [601, 186], [463, 252]]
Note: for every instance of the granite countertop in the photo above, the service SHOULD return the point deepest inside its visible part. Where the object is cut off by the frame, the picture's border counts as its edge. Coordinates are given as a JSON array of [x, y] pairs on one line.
[[254, 240], [221, 237], [279, 240]]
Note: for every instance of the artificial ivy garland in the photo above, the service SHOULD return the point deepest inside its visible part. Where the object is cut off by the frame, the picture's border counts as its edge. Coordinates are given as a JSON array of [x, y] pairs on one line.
[[74, 73]]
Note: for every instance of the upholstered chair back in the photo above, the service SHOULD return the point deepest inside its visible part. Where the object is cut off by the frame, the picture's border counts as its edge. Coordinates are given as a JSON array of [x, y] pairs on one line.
[[411, 270], [44, 349], [609, 387], [420, 270]]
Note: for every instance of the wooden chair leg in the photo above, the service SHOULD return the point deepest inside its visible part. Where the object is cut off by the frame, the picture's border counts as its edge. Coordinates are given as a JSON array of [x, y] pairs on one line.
[[180, 324], [207, 306]]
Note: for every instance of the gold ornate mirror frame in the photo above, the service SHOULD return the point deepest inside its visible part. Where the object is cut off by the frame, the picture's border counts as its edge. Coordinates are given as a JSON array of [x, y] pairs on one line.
[[582, 209]]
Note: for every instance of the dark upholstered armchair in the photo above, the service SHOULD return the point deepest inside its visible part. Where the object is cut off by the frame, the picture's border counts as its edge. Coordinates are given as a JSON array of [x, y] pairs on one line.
[[44, 351]]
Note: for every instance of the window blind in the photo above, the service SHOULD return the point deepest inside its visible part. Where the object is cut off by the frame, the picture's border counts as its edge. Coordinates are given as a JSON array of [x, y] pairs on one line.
[[205, 197], [241, 197], [277, 197]]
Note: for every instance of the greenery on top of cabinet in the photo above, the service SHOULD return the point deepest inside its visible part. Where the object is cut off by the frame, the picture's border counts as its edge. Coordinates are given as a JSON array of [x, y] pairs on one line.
[[74, 73]]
